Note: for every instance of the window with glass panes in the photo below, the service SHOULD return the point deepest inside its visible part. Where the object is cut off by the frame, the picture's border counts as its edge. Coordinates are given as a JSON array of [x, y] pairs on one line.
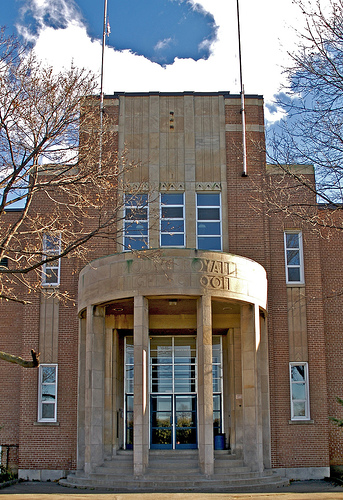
[[172, 229], [300, 407], [209, 233], [47, 393], [294, 257], [136, 229], [173, 398], [217, 375], [128, 390], [51, 270]]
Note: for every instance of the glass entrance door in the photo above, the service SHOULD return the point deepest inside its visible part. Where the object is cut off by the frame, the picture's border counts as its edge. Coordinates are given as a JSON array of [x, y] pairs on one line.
[[173, 421], [173, 399]]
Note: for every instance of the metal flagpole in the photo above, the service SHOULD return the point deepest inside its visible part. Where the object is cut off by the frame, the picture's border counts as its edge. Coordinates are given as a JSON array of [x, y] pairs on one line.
[[245, 173], [102, 82]]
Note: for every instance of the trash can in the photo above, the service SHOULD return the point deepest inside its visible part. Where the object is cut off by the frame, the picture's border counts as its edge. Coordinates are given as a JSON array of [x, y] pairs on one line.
[[219, 442]]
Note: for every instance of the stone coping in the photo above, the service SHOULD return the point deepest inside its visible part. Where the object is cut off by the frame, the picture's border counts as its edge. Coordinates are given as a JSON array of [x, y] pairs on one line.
[[165, 272]]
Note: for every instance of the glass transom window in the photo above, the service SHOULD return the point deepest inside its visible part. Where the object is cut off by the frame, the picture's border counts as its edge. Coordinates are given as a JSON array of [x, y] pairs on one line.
[[172, 220], [209, 236], [173, 364]]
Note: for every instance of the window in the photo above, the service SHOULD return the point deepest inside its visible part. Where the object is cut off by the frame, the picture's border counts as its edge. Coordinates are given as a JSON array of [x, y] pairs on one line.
[[136, 222], [128, 389], [217, 377], [51, 270], [47, 394], [208, 221], [294, 257], [4, 262], [300, 407], [172, 220]]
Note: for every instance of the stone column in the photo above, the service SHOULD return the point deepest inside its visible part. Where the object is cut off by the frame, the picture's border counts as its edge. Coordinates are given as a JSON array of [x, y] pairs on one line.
[[140, 388], [264, 368], [94, 387], [205, 387], [108, 389], [251, 387]]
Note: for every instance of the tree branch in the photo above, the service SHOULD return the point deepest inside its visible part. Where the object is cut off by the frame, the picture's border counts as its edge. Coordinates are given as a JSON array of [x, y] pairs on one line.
[[20, 361]]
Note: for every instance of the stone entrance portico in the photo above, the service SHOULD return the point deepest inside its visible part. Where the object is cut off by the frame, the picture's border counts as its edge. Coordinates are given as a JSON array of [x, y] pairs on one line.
[[215, 292]]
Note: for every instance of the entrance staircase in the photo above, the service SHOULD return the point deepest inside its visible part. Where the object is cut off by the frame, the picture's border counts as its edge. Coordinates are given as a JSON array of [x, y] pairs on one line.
[[175, 471]]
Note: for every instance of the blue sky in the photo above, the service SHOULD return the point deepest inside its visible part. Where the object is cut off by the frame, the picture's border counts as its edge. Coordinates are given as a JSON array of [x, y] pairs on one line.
[[163, 45], [157, 29]]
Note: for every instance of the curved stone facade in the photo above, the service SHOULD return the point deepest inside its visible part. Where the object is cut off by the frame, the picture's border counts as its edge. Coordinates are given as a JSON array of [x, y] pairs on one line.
[[173, 272]]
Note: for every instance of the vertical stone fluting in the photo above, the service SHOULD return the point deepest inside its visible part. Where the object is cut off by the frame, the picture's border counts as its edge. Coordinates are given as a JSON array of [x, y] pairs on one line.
[[94, 388], [251, 385], [205, 387], [140, 399]]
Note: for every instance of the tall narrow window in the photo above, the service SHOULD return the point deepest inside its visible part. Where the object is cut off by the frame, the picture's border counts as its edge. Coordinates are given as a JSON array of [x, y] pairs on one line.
[[209, 236], [294, 257], [172, 220], [136, 222], [217, 377], [47, 393], [128, 389], [51, 270], [300, 407]]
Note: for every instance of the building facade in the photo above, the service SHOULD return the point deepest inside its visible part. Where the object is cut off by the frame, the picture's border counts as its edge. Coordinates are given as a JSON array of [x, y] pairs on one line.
[[213, 324]]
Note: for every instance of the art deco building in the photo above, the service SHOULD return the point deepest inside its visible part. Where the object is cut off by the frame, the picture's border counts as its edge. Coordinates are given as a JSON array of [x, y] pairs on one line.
[[207, 336]]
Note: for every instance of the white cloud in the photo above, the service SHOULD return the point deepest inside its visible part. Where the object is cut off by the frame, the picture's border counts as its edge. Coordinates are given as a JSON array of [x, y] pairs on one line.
[[162, 44], [265, 33]]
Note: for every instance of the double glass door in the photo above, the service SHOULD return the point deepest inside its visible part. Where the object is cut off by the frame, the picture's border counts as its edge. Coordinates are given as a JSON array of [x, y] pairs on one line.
[[173, 399], [173, 421]]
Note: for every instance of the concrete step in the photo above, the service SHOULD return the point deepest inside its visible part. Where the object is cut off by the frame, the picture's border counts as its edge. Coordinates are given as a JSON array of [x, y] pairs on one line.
[[204, 485], [175, 472]]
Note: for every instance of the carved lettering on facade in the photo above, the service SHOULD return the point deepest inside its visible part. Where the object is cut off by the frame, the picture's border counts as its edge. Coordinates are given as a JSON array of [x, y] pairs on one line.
[[216, 273], [215, 282]]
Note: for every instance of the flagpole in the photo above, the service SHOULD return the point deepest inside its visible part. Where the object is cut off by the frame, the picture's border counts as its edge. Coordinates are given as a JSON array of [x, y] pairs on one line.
[[102, 82], [245, 173]]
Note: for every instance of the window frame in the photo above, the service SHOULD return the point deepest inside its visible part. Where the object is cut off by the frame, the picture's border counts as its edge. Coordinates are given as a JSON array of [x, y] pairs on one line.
[[128, 222], [307, 392], [220, 235], [40, 398], [300, 266], [173, 219], [53, 265]]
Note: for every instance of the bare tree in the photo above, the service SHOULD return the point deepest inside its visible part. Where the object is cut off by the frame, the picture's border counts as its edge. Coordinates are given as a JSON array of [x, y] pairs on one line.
[[312, 131], [54, 195]]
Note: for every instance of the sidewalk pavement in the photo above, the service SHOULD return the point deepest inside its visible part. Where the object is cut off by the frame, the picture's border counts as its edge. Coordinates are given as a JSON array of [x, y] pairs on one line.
[[299, 490]]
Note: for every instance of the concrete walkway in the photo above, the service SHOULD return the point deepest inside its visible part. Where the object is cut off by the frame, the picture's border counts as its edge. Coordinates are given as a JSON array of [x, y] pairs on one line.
[[301, 490]]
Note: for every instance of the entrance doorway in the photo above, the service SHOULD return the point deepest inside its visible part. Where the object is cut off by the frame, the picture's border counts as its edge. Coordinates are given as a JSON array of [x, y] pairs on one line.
[[173, 391], [173, 422], [173, 398]]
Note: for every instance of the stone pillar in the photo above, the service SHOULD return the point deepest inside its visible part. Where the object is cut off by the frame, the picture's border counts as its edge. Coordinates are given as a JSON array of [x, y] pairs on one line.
[[109, 381], [140, 388], [205, 387], [94, 387], [264, 368], [251, 387]]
